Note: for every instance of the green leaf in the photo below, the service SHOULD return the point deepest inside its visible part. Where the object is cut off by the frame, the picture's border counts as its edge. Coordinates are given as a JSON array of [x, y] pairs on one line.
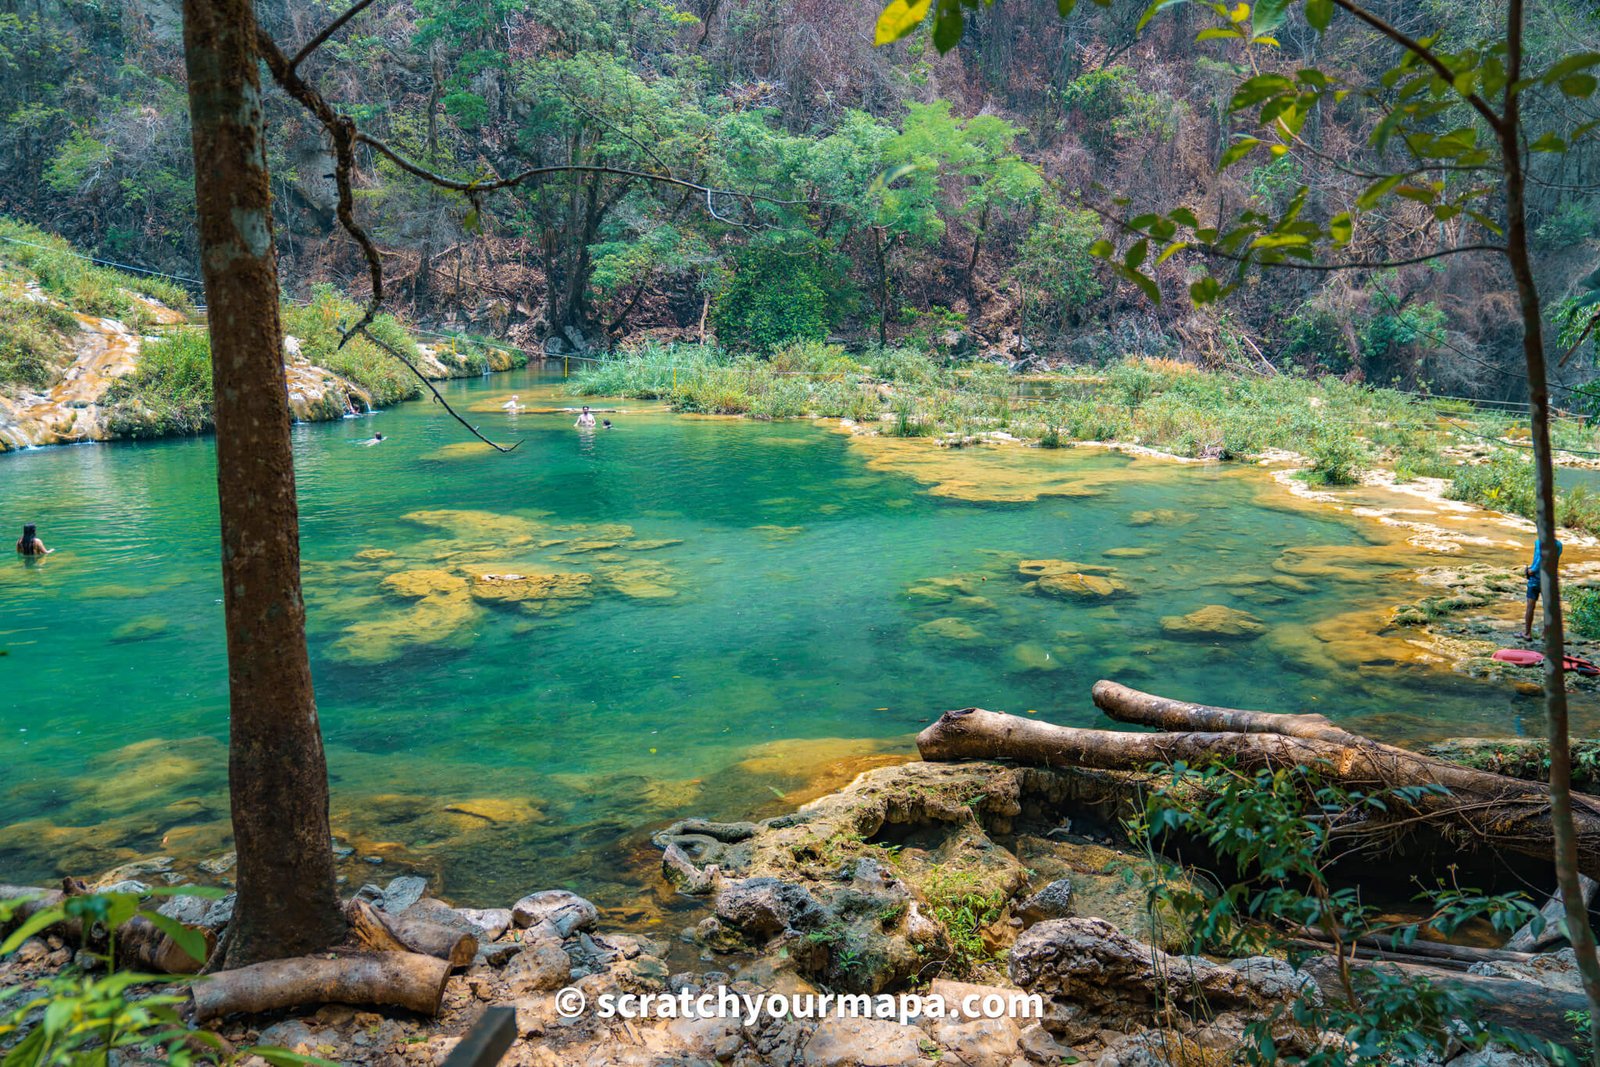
[[1579, 85], [1212, 33], [192, 941], [1376, 191], [1319, 13], [900, 17], [1267, 15], [1146, 284], [39, 920], [1064, 7], [1102, 249], [1171, 250], [1237, 151], [1548, 142], [470, 222], [1150, 12], [1340, 226], [947, 29], [1261, 87], [1569, 65], [1134, 258]]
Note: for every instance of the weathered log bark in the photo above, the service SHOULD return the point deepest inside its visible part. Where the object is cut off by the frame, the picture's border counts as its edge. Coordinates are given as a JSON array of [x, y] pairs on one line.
[[381, 932], [407, 980], [1554, 914], [1532, 1009], [140, 944], [1473, 806], [1438, 953]]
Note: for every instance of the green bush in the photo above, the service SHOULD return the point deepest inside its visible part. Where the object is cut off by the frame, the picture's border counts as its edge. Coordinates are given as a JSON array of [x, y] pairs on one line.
[[773, 298], [170, 391], [33, 342], [1583, 611], [1337, 459], [320, 325]]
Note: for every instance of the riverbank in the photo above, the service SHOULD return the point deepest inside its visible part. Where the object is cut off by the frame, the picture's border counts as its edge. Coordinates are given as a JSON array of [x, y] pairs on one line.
[[89, 353], [984, 913]]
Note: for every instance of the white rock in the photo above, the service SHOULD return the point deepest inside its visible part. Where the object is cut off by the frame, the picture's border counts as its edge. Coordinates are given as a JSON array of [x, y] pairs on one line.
[[863, 1043]]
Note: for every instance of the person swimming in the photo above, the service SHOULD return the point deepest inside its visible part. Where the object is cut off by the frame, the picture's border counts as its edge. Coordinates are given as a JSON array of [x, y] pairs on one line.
[[605, 424], [512, 405], [585, 419], [375, 439], [29, 544]]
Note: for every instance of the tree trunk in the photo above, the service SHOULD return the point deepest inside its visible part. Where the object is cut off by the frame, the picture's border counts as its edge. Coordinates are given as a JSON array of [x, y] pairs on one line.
[[1479, 807], [1565, 847], [278, 779]]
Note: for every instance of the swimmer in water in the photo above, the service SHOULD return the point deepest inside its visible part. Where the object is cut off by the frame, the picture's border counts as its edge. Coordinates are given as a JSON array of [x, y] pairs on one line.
[[375, 439], [605, 424], [585, 419], [29, 544]]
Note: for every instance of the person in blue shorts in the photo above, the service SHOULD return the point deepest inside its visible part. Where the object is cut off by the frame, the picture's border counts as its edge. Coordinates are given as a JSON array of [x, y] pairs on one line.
[[1532, 574]]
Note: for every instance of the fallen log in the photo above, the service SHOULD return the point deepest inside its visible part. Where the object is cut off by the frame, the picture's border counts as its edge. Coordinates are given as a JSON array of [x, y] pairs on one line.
[[1554, 927], [407, 980], [1477, 807], [382, 932], [1436, 953], [1536, 1010], [140, 944]]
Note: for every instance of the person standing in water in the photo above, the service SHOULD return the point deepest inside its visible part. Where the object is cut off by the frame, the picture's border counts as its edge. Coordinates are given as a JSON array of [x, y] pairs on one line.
[[585, 419], [512, 405], [1534, 587], [29, 544]]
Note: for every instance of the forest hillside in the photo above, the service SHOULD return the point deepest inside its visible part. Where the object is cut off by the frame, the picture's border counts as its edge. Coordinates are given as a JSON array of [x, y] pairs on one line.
[[1004, 157]]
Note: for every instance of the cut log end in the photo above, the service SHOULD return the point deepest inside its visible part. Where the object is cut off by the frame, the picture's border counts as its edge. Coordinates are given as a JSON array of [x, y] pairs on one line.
[[406, 980]]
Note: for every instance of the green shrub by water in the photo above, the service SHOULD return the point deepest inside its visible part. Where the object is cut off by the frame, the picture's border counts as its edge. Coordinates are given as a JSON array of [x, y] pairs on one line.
[[169, 393], [1506, 483], [321, 324], [1583, 611], [33, 341]]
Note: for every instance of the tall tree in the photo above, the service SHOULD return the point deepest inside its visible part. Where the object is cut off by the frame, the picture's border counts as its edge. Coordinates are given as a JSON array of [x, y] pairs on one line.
[[278, 781], [1451, 132]]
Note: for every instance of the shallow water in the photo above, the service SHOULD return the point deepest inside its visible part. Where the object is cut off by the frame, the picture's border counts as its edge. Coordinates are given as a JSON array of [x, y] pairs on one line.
[[782, 633]]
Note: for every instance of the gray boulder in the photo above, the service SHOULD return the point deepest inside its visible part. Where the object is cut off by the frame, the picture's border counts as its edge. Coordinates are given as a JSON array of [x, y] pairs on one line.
[[565, 912]]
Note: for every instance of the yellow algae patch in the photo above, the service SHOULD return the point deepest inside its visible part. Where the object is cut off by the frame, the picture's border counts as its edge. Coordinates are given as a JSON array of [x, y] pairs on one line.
[[474, 813], [415, 585], [531, 591], [651, 546], [607, 531], [1079, 586], [459, 450], [942, 589], [1130, 552], [489, 525], [1352, 564], [591, 546], [141, 629], [1214, 620], [1039, 568], [778, 533], [373, 555], [948, 629], [146, 773], [1032, 657], [431, 620], [640, 583], [980, 475], [1161, 517]]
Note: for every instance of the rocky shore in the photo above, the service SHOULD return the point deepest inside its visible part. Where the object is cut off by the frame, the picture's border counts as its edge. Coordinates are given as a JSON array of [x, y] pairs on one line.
[[976, 883]]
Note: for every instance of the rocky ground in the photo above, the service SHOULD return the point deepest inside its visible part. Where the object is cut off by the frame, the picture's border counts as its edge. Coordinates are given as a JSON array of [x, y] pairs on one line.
[[943, 879]]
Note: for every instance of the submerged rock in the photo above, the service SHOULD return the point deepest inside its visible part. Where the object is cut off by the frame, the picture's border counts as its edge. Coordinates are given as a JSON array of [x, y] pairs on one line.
[[948, 629], [1214, 621]]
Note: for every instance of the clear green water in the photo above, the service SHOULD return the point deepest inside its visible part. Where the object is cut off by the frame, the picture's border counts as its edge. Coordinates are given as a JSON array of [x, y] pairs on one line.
[[560, 738]]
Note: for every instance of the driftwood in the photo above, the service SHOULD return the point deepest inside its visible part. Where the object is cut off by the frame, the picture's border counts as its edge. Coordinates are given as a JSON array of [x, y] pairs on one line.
[[407, 980], [1436, 953], [1554, 927], [140, 943], [1474, 806], [382, 932]]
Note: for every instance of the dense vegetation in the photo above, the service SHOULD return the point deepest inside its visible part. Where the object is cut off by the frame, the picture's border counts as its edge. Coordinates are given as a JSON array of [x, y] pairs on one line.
[[978, 239]]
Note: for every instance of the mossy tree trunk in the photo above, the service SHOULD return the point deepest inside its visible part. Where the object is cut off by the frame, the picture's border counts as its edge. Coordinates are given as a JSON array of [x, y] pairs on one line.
[[287, 903]]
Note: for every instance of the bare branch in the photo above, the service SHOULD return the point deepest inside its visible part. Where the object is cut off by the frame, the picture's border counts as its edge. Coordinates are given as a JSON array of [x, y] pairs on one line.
[[438, 398], [341, 131], [328, 31]]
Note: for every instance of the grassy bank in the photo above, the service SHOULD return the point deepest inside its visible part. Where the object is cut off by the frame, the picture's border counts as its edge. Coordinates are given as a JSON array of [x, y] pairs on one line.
[[1342, 429], [29, 253], [1160, 404]]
